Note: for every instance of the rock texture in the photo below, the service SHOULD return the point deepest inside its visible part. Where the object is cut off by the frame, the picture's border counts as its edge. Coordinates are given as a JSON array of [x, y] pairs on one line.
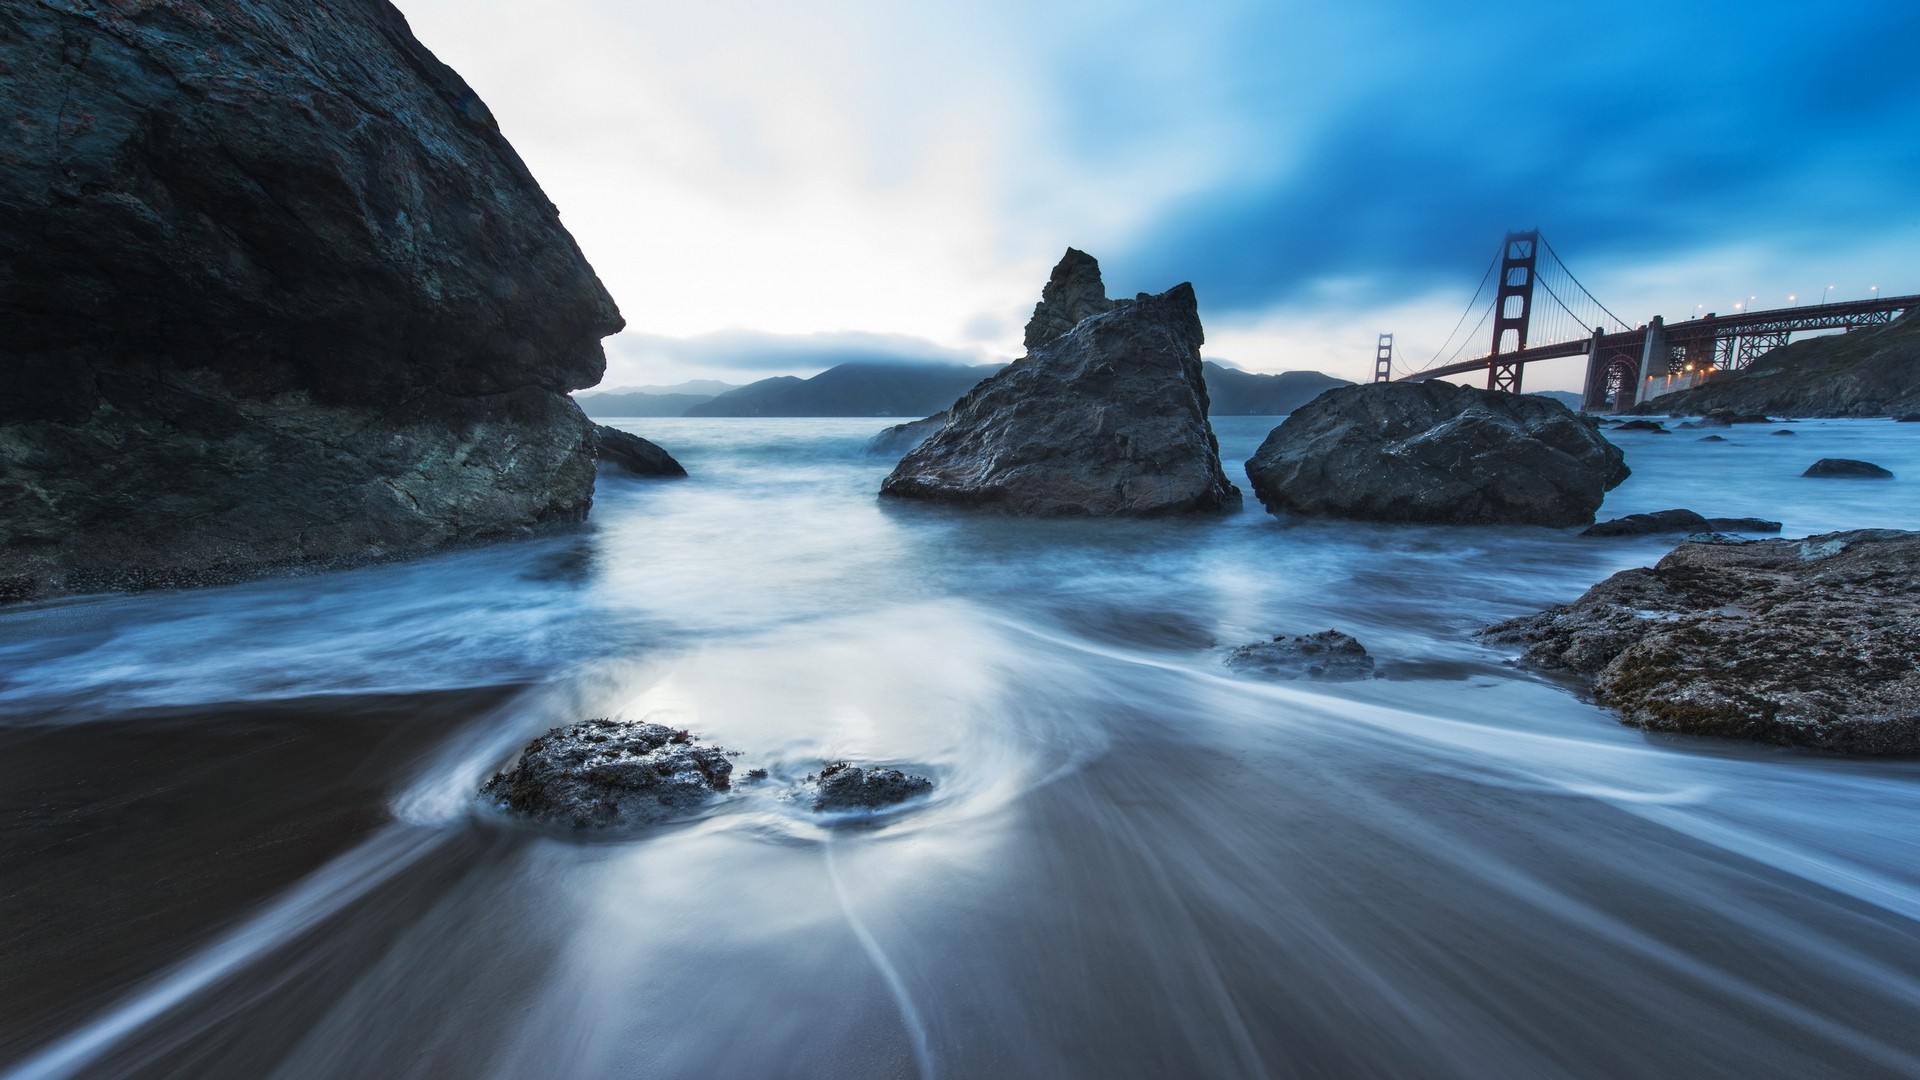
[[1073, 294], [1329, 655], [275, 290], [1437, 453], [842, 787], [1811, 642], [1847, 468], [1108, 419], [632, 454], [1671, 521], [604, 774], [1872, 372]]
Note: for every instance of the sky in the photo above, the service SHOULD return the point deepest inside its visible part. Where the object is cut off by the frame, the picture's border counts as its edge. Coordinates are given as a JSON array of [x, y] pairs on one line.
[[767, 188]]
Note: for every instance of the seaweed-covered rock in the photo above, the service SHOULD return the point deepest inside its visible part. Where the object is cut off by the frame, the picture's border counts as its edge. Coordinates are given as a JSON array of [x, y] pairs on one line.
[[607, 774], [1105, 420], [1329, 656], [1811, 642], [1436, 453], [630, 453], [1847, 468], [841, 786]]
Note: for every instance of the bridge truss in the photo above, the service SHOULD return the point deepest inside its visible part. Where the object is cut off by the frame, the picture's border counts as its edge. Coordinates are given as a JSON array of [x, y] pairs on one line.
[[1563, 319]]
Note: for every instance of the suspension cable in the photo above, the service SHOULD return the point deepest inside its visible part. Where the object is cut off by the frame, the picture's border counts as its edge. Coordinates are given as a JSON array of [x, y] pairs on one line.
[[1562, 263]]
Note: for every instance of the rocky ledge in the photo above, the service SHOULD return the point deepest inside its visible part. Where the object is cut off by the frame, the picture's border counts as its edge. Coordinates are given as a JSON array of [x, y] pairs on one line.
[[1106, 418], [276, 291], [1436, 453], [1811, 642]]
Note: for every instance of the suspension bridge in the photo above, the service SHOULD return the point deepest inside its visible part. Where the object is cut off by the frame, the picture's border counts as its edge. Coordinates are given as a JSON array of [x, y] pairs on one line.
[[1540, 311]]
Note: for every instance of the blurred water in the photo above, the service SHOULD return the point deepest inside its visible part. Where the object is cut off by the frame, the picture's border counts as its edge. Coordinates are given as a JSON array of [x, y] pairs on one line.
[[1134, 865]]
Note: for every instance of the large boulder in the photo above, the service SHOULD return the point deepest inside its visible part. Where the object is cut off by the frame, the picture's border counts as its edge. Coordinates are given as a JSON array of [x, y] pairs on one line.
[[1437, 453], [1811, 642], [276, 290], [1107, 419]]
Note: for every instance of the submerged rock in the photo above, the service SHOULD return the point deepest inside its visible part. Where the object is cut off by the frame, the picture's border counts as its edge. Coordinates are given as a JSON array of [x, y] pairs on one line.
[[1329, 656], [1668, 521], [1713, 438], [1436, 453], [841, 786], [630, 453], [901, 438], [279, 293], [1811, 642], [1847, 467], [606, 774], [1108, 419]]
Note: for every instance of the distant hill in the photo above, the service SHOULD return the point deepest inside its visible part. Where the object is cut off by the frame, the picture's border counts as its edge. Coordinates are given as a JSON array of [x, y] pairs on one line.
[[637, 403], [1565, 397], [1872, 372], [854, 389], [1232, 392]]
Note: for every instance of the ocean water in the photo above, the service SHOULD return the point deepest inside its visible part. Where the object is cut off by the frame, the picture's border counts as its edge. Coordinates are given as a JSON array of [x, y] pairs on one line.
[[1134, 863]]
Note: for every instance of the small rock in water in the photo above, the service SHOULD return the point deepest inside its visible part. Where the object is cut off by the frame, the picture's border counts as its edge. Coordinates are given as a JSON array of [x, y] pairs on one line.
[[850, 787], [1668, 521], [1713, 438], [1783, 431], [1847, 467], [1641, 425], [601, 774], [1329, 655], [627, 451]]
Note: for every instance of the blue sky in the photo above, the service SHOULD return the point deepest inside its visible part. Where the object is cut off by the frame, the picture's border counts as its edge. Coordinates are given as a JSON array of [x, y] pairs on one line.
[[785, 175]]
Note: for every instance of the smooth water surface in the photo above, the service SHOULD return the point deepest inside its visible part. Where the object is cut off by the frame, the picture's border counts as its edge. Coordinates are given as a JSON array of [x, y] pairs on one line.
[[1134, 864]]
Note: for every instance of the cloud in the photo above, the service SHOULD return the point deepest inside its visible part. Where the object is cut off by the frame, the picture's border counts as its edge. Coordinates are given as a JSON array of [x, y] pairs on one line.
[[1658, 132]]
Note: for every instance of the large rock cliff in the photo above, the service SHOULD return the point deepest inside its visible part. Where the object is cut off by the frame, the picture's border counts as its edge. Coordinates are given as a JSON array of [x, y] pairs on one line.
[[275, 291]]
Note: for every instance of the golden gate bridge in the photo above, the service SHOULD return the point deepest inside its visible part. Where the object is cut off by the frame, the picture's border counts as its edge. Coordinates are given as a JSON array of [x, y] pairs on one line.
[[1540, 311]]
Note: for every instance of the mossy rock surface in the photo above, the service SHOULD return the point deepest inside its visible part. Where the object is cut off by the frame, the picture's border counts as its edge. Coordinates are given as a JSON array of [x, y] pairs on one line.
[[1812, 642]]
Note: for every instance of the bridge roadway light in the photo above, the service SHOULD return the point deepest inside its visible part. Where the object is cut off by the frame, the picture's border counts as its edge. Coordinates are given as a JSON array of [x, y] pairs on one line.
[[1823, 296]]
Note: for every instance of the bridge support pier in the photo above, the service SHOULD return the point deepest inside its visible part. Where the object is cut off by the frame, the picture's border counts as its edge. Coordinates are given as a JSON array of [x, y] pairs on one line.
[[1653, 360]]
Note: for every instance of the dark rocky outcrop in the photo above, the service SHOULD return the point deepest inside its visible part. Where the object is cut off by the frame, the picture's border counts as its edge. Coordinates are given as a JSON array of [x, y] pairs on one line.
[[1847, 468], [1073, 293], [1811, 642], [841, 787], [1782, 431], [1329, 656], [1909, 418], [1713, 438], [1671, 521], [1640, 425], [1437, 453], [606, 774], [1107, 419], [1866, 372], [632, 454], [275, 291], [900, 438]]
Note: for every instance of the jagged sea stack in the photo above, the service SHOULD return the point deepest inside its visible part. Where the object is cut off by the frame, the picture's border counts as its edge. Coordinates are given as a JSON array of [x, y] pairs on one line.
[[275, 291], [1106, 415], [1436, 453]]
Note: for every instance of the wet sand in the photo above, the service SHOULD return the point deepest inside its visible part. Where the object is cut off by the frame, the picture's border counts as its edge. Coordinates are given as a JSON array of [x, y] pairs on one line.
[[128, 842]]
